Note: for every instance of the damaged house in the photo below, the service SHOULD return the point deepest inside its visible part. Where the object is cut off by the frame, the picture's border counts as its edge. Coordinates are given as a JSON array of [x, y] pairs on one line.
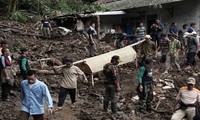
[[125, 15], [146, 11]]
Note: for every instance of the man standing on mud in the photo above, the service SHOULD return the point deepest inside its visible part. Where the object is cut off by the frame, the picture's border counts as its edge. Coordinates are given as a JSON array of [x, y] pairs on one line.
[[156, 31], [92, 43], [192, 49], [46, 27], [145, 80], [163, 48], [112, 84], [68, 85], [148, 48], [23, 63], [141, 31], [188, 97], [33, 93], [7, 75], [173, 53]]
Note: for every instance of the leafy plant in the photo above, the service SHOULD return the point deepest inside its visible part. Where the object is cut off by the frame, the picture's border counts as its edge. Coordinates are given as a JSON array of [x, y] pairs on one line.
[[18, 16]]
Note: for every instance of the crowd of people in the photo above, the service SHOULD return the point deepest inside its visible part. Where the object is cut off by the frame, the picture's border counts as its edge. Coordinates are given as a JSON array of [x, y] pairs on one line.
[[170, 45]]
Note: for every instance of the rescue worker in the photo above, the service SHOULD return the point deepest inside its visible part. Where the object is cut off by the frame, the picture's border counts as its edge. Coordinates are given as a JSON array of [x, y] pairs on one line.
[[46, 27], [140, 32], [33, 93], [145, 80], [147, 48], [156, 30], [112, 84], [173, 53], [163, 48], [192, 49], [68, 85], [92, 43], [188, 97], [23, 63], [6, 74]]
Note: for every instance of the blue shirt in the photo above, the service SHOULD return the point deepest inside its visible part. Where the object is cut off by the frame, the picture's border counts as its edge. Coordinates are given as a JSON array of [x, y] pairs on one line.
[[190, 30], [32, 96]]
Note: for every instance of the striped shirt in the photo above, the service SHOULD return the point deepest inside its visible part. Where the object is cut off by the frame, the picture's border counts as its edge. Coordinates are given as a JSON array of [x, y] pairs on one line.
[[164, 46], [188, 96], [141, 31]]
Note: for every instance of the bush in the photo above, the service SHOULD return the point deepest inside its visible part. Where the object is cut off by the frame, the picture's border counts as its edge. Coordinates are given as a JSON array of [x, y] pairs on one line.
[[18, 16]]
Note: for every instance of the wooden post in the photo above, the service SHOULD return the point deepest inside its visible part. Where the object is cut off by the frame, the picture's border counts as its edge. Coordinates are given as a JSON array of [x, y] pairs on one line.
[[98, 27], [92, 80]]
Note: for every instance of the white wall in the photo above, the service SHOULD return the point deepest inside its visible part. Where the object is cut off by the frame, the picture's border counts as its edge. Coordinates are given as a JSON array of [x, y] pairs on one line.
[[185, 12]]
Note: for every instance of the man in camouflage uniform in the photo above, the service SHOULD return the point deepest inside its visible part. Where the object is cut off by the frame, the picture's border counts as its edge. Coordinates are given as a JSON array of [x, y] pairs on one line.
[[112, 84], [147, 49]]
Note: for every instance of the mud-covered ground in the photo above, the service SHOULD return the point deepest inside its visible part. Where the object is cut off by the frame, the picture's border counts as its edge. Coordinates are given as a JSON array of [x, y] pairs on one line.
[[89, 100]]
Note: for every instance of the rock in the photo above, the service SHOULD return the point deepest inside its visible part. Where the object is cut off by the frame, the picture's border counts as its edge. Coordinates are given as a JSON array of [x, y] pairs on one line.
[[195, 74], [132, 116]]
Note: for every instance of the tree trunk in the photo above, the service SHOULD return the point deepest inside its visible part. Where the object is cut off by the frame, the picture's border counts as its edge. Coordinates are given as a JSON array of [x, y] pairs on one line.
[[12, 6]]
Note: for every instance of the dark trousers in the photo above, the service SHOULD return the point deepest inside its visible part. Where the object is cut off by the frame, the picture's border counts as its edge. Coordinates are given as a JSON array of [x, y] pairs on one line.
[[5, 87], [149, 95], [146, 94], [110, 95], [191, 58], [24, 75], [25, 116], [63, 94], [156, 39]]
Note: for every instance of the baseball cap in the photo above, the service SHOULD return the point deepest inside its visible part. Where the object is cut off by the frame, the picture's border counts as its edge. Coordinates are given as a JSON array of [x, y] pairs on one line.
[[191, 80], [148, 37]]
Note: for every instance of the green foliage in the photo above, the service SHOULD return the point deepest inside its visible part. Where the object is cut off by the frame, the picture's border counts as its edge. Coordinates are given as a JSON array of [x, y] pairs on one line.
[[47, 7], [77, 6], [18, 16], [63, 6]]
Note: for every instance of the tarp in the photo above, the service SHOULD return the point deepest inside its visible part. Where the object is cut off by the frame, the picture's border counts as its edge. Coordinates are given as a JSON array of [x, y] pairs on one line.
[[95, 64]]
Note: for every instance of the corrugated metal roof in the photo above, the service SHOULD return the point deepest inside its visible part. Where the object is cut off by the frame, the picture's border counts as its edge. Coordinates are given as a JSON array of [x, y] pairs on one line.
[[128, 4]]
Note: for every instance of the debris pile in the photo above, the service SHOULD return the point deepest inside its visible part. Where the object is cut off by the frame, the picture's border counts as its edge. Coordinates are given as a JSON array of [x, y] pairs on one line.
[[44, 54]]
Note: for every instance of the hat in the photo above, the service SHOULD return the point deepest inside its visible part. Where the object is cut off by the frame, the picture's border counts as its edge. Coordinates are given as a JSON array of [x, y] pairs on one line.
[[23, 49], [116, 57], [148, 37], [191, 80], [67, 60]]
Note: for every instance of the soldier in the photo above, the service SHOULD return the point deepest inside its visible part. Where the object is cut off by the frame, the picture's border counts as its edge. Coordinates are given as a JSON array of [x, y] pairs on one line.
[[112, 84]]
